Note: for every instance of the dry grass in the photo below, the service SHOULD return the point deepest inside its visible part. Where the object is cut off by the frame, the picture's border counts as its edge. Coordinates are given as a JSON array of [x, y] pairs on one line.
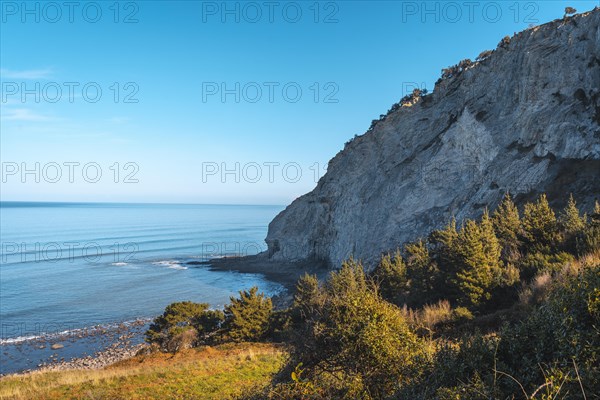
[[429, 316], [206, 373], [536, 291], [589, 260]]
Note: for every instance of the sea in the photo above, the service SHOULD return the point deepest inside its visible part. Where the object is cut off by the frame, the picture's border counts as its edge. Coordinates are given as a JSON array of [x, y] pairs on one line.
[[68, 269]]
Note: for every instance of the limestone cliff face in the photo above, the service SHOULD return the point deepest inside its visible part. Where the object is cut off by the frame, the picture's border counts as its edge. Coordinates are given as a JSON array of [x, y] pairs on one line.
[[526, 119]]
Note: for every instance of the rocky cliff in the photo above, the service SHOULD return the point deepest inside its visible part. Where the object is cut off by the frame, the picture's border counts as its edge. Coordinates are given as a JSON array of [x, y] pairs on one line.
[[524, 119]]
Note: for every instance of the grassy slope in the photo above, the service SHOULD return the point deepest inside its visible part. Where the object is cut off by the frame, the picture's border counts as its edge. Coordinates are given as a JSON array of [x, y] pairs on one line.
[[206, 373]]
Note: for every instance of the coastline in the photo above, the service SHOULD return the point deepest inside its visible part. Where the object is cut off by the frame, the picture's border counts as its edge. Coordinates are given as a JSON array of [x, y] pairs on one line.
[[103, 346], [124, 341], [283, 273]]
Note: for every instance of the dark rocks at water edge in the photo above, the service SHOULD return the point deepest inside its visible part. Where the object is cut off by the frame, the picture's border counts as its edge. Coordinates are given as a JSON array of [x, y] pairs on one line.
[[115, 353], [92, 347]]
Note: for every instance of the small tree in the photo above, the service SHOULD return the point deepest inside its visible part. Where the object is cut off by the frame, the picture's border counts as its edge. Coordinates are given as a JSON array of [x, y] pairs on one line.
[[492, 251], [390, 274], [208, 323], [504, 42], [589, 240], [540, 226], [443, 254], [247, 317], [569, 11], [442, 242], [484, 54], [423, 275], [572, 225], [307, 293], [464, 64], [356, 335], [507, 225], [177, 319], [473, 277]]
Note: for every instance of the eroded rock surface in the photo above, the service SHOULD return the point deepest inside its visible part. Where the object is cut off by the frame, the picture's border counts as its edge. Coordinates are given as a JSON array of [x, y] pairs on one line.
[[526, 119]]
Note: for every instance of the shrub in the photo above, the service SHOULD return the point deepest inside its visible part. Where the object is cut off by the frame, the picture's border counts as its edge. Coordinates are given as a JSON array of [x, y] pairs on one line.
[[247, 317], [181, 341], [450, 72], [464, 64], [569, 11], [454, 371], [484, 54], [562, 331], [356, 335], [552, 353], [536, 291], [207, 325], [179, 318], [462, 314], [504, 42], [538, 263]]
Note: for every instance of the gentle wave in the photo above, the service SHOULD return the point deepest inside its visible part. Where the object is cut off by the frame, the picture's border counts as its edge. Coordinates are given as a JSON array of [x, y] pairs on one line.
[[90, 330], [170, 264], [106, 253]]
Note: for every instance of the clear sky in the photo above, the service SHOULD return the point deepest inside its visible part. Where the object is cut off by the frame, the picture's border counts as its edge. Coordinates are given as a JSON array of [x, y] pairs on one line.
[[216, 102]]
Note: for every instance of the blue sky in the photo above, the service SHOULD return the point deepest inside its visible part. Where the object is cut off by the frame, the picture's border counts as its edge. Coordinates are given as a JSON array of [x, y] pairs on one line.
[[162, 120]]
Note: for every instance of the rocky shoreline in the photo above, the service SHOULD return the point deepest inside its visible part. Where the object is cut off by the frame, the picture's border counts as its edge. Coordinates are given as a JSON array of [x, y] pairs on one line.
[[68, 350], [122, 341], [119, 351]]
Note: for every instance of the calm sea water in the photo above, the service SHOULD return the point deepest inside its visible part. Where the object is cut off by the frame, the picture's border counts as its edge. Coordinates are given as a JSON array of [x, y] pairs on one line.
[[68, 266]]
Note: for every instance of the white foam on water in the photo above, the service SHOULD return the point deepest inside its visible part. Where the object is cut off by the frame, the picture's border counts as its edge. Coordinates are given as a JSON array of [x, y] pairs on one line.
[[70, 332], [171, 264]]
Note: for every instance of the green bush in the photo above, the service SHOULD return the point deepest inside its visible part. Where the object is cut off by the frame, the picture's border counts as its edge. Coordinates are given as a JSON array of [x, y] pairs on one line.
[[572, 226], [423, 274], [247, 317], [507, 225], [560, 332], [589, 240], [552, 353], [349, 341], [392, 279], [354, 335], [540, 227], [179, 318], [538, 263]]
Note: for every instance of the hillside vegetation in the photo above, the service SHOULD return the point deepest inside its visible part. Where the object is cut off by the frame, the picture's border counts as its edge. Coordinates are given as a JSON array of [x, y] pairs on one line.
[[506, 306]]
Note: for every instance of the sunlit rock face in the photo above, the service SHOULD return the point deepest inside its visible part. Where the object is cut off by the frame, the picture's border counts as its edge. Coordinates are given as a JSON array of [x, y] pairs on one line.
[[526, 120]]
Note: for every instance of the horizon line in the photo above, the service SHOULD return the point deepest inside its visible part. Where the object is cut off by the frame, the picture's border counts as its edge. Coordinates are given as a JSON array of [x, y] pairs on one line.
[[3, 202]]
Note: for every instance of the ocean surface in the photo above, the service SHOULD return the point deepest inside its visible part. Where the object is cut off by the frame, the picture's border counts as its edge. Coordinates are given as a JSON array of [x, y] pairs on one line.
[[68, 267]]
